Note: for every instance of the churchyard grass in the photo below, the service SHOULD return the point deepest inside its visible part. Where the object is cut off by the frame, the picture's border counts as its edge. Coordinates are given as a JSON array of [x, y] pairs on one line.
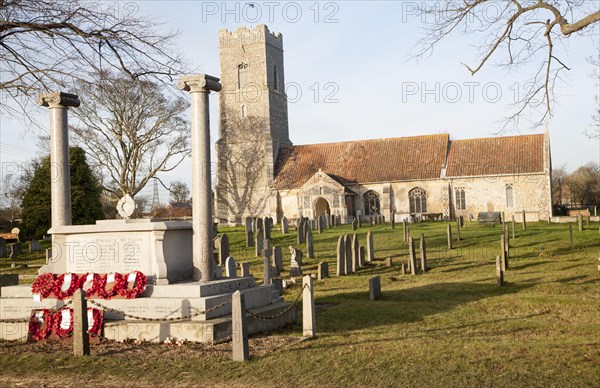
[[452, 326]]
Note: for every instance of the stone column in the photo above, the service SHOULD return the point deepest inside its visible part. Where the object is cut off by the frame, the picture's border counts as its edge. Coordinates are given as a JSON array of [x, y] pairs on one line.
[[199, 87], [60, 177]]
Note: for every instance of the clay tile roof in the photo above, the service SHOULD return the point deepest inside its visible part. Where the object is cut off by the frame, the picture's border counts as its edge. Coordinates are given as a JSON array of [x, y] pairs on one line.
[[496, 155], [364, 161]]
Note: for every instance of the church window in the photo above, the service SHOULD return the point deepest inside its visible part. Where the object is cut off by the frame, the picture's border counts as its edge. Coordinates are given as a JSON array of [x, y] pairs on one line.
[[243, 113], [459, 195], [509, 195], [242, 75], [417, 198], [372, 205], [275, 76]]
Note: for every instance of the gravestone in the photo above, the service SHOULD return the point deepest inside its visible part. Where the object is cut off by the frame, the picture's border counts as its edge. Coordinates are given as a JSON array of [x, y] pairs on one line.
[[457, 230], [34, 246], [284, 226], [278, 258], [388, 262], [571, 236], [461, 219], [267, 228], [503, 255], [449, 236], [524, 221], [266, 270], [278, 283], [404, 230], [320, 224], [15, 250], [223, 246], [3, 252], [403, 268], [411, 255], [393, 220], [248, 224], [341, 256], [258, 243], [332, 220], [296, 255], [215, 228], [354, 224], [374, 288], [370, 247], [230, 267], [355, 253], [361, 256], [249, 239], [348, 242], [359, 221], [580, 222], [259, 225], [48, 255], [239, 333], [423, 254], [327, 219], [245, 269], [322, 271], [310, 250], [513, 226], [295, 268], [301, 234], [499, 271], [267, 249], [338, 220]]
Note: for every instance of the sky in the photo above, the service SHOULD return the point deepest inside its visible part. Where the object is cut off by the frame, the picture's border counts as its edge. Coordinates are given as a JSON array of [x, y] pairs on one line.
[[350, 74]]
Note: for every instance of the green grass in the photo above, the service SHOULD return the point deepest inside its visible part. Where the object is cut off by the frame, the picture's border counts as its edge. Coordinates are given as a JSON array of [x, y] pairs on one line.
[[27, 262], [450, 327]]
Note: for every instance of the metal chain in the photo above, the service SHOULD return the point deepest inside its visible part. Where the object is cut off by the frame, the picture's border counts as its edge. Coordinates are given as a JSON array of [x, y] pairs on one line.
[[279, 314], [185, 317]]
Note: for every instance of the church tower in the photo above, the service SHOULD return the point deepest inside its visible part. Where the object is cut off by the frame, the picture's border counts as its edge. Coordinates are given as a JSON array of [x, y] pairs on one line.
[[253, 121]]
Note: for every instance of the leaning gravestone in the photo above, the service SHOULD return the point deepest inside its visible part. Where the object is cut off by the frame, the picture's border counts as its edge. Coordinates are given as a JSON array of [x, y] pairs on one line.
[[258, 243], [341, 256], [248, 226], [355, 253], [354, 224], [223, 249], [2, 247], [310, 249], [284, 225], [230, 267]]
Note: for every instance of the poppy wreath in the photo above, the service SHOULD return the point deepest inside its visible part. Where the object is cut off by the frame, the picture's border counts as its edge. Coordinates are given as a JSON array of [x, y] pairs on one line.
[[58, 323], [133, 284], [98, 318], [92, 284], [41, 330], [115, 285], [60, 291], [43, 285]]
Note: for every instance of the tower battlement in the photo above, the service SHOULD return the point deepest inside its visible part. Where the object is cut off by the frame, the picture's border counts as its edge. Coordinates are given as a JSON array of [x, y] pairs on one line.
[[248, 36]]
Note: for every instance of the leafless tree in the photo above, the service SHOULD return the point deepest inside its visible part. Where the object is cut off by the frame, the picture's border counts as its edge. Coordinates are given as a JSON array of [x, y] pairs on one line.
[[180, 192], [584, 184], [560, 189], [47, 45], [130, 130], [521, 32], [243, 168], [593, 131]]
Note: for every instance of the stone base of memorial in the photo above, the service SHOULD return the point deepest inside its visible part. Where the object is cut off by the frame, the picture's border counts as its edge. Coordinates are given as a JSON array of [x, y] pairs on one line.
[[171, 306]]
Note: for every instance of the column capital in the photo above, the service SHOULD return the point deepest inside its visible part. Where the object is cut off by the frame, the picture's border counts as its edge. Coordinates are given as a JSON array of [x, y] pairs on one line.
[[199, 83], [58, 100]]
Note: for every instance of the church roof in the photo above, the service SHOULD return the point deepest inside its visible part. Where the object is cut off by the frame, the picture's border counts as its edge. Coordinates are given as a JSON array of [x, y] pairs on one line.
[[496, 155], [408, 158], [364, 161]]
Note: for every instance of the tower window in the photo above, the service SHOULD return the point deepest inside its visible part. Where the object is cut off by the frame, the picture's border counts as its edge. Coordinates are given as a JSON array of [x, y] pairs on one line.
[[509, 195], [242, 75], [461, 202], [417, 198], [243, 111], [275, 78]]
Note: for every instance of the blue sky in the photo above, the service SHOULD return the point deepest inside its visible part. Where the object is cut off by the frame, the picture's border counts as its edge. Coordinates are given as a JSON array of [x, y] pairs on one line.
[[358, 54]]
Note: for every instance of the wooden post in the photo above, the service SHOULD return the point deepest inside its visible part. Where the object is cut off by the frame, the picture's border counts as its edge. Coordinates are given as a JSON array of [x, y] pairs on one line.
[[580, 222], [404, 231], [503, 252], [423, 254], [513, 226], [457, 229], [524, 221], [239, 330], [81, 338], [449, 233], [308, 307], [571, 236], [499, 272], [412, 256]]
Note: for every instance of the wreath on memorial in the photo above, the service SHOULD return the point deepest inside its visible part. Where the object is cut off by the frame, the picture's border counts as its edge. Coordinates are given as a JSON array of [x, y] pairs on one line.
[[91, 283], [111, 284], [65, 285], [43, 285], [41, 324], [60, 326], [98, 318], [133, 285]]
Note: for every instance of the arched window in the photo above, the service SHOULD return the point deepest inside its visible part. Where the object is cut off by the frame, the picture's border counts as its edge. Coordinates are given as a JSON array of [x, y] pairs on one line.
[[372, 206], [509, 195], [461, 202], [243, 111], [417, 198], [242, 75]]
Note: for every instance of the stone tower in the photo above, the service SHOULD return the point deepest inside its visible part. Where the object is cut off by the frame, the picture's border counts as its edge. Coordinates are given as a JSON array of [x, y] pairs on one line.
[[253, 121]]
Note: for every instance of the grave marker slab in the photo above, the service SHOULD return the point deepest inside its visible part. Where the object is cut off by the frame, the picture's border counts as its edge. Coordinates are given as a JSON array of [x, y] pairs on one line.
[[374, 288], [370, 247], [348, 242], [341, 256], [230, 267], [310, 250], [322, 271], [278, 258]]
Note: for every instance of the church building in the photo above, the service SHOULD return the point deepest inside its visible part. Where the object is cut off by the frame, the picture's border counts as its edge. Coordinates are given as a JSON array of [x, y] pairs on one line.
[[261, 173]]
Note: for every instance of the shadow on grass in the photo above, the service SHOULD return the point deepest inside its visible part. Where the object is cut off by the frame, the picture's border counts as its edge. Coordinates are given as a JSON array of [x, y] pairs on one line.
[[357, 312]]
